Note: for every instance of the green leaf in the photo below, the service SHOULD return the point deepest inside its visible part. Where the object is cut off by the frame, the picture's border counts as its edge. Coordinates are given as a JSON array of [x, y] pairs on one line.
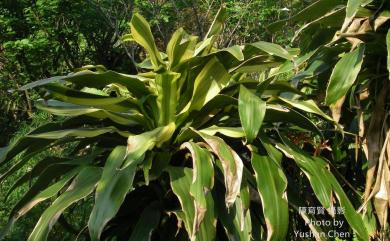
[[313, 11], [272, 184], [180, 47], [82, 185], [37, 170], [235, 51], [256, 64], [252, 111], [289, 65], [137, 145], [141, 33], [66, 109], [148, 221], [37, 194], [276, 88], [273, 49], [202, 181], [167, 96], [209, 82], [79, 133], [278, 114], [314, 170], [308, 106], [87, 78], [232, 166], [40, 191], [352, 9], [72, 96], [215, 105], [31, 148], [333, 19], [204, 45], [217, 24], [181, 179], [111, 191], [237, 219], [324, 185], [234, 132], [344, 75]]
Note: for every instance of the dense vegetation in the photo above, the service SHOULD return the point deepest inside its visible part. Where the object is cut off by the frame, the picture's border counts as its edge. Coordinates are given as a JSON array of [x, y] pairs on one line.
[[150, 131]]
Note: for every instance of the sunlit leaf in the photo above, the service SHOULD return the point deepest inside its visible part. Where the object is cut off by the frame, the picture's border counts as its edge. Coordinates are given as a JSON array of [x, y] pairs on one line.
[[344, 75], [141, 33], [252, 111]]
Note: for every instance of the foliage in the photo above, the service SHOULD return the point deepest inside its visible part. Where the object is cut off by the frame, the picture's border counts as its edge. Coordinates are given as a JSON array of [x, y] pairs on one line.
[[190, 143], [52, 38], [348, 70], [45, 38]]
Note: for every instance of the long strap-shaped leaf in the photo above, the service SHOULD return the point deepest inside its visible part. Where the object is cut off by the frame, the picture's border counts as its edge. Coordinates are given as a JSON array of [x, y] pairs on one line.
[[217, 24], [324, 183], [344, 75], [65, 109], [272, 184], [308, 106], [180, 47], [252, 111], [117, 104], [352, 9], [111, 191], [80, 133], [273, 49], [9, 152], [167, 96], [311, 12], [140, 31], [38, 193], [202, 181], [237, 219], [82, 185], [137, 145], [87, 78], [231, 164], [209, 82], [181, 179]]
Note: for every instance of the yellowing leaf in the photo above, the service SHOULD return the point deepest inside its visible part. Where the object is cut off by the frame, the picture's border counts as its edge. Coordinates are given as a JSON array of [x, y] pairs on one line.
[[231, 164], [181, 184], [202, 181]]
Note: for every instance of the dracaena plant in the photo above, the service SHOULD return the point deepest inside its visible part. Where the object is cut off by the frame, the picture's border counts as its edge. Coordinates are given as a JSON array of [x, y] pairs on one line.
[[199, 145], [346, 45]]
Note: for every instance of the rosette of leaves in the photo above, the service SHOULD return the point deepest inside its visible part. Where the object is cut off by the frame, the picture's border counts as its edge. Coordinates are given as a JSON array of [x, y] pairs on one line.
[[195, 147], [347, 44]]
